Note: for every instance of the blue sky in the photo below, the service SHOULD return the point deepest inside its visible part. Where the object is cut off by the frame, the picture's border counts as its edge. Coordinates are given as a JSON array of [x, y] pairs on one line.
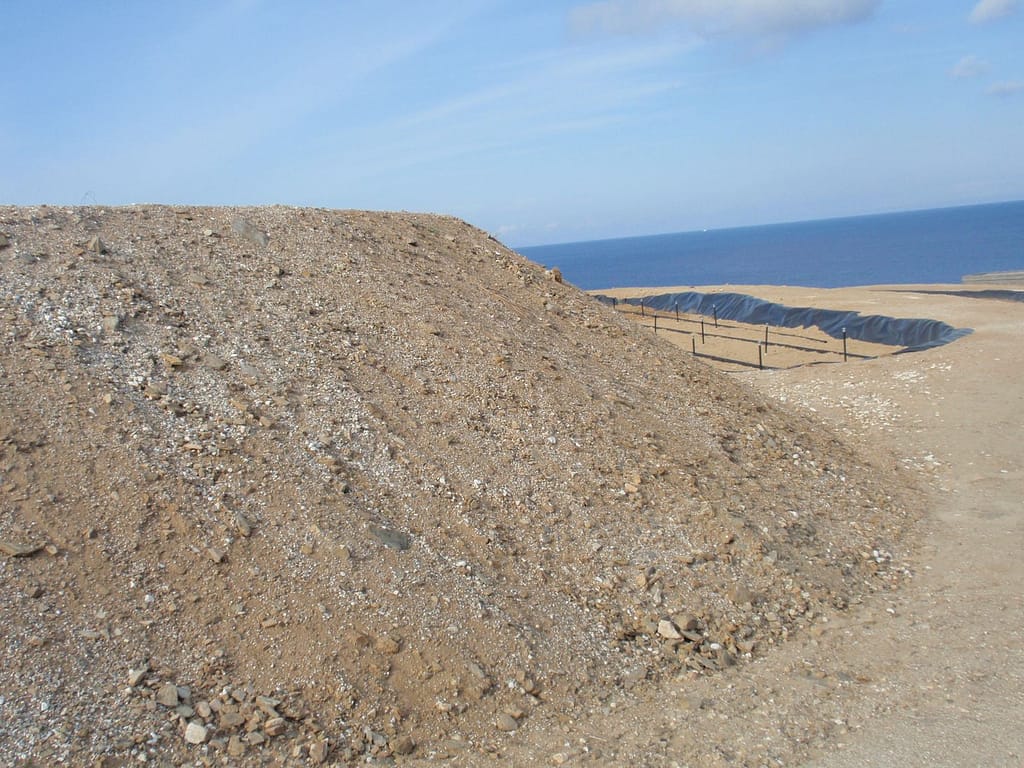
[[541, 121]]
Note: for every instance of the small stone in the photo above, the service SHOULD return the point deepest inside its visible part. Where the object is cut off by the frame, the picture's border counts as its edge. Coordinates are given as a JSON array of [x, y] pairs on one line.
[[195, 733], [231, 720], [249, 373], [215, 554], [213, 362], [505, 722], [387, 645], [404, 746], [203, 709], [391, 538], [318, 751], [242, 524], [255, 738], [668, 630], [741, 594], [275, 726], [171, 361], [96, 245], [248, 230], [268, 705], [167, 695], [136, 674], [4, 240], [111, 324], [236, 747]]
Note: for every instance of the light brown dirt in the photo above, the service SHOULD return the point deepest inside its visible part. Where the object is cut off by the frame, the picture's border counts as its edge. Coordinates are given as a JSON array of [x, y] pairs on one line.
[[377, 489], [931, 675]]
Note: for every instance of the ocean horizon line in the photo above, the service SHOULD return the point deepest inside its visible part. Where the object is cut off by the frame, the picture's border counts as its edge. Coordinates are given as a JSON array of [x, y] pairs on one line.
[[784, 223]]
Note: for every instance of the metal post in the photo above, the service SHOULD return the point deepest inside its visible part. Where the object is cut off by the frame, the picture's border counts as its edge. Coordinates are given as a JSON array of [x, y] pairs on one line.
[[693, 344], [766, 337], [702, 330], [760, 362], [642, 313], [677, 311], [655, 322], [844, 345]]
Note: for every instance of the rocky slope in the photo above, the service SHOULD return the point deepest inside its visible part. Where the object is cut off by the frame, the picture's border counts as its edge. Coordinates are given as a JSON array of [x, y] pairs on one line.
[[309, 485]]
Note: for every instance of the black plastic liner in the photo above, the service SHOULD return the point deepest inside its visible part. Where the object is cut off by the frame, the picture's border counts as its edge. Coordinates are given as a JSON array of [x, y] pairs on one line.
[[911, 334]]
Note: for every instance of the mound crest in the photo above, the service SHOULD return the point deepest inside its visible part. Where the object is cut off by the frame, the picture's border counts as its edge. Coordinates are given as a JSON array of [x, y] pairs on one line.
[[335, 483]]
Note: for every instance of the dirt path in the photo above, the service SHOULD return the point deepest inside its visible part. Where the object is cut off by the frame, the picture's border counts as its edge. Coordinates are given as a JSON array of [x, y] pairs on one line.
[[953, 652]]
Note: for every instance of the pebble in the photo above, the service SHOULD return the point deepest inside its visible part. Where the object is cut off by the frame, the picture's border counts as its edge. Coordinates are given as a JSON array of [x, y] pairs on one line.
[[195, 733], [505, 722], [248, 230], [167, 695], [236, 747], [111, 324], [668, 630], [213, 362], [318, 751], [230, 720], [391, 538], [268, 705], [275, 726], [96, 245], [255, 738], [135, 675], [404, 746]]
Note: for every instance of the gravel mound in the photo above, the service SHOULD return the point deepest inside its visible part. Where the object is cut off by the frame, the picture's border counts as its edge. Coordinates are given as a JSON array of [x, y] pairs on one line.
[[310, 486]]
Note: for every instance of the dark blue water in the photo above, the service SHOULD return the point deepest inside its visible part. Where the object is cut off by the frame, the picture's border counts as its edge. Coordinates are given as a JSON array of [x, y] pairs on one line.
[[934, 246]]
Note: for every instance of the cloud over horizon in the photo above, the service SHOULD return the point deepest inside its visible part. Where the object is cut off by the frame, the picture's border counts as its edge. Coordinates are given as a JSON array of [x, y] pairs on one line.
[[771, 22], [990, 10], [1006, 88], [969, 66]]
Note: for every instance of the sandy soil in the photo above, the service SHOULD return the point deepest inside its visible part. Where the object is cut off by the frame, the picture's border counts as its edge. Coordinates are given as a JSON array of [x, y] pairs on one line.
[[297, 486], [305, 487], [933, 673]]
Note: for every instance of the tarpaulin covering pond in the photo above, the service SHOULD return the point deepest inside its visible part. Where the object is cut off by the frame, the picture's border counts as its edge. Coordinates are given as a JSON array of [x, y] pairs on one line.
[[913, 334]]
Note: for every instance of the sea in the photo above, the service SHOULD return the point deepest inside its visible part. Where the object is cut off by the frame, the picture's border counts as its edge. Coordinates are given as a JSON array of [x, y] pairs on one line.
[[931, 246]]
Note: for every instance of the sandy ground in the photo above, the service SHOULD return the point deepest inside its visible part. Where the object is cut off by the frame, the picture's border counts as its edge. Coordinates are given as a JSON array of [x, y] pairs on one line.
[[946, 653]]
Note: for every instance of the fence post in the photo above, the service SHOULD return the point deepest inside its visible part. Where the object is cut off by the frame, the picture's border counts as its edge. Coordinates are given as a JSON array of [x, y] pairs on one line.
[[760, 362], [702, 330], [655, 322], [677, 311], [642, 313], [844, 345]]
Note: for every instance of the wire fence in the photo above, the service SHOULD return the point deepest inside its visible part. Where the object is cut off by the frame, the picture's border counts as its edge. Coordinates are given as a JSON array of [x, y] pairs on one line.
[[742, 344]]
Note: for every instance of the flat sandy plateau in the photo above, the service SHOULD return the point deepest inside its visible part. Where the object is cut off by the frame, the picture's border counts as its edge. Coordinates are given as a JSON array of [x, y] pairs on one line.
[[931, 674]]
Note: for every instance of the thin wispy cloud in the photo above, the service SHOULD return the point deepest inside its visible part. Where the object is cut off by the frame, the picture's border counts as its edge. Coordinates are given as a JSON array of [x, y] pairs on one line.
[[969, 66], [1006, 88], [991, 10], [769, 22]]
